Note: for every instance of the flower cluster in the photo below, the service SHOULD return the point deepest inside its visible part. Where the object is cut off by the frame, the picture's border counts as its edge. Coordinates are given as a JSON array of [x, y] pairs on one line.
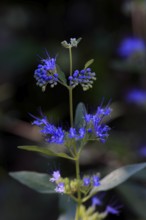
[[46, 73], [84, 77], [94, 181], [73, 43], [56, 177], [73, 134], [95, 125], [51, 133], [64, 185]]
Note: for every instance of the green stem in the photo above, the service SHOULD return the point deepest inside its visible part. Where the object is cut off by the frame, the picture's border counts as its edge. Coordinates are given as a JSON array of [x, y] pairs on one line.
[[71, 90], [79, 200], [70, 60], [71, 106]]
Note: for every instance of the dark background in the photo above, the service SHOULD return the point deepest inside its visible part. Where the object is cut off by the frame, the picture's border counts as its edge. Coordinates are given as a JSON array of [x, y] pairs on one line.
[[27, 29]]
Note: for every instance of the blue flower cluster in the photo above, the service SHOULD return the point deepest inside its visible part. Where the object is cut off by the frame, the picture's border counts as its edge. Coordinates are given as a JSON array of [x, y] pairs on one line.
[[51, 133], [84, 77], [77, 135], [46, 73], [95, 125], [94, 180], [60, 188]]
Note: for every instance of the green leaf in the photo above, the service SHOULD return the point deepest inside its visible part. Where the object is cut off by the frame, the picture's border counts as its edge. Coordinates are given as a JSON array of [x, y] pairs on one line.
[[37, 181], [68, 210], [117, 177], [45, 151], [88, 63], [79, 115], [61, 75], [135, 196]]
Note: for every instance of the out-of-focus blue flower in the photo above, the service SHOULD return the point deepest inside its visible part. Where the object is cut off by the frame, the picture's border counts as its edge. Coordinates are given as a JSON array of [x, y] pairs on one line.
[[112, 210], [84, 77], [136, 96], [56, 176], [46, 73], [95, 123], [76, 134], [142, 151], [51, 133], [95, 180], [130, 46], [60, 188], [96, 201], [86, 181]]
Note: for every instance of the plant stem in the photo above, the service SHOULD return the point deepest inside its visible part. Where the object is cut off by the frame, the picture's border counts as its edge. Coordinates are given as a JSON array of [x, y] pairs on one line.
[[79, 201], [71, 106], [71, 90]]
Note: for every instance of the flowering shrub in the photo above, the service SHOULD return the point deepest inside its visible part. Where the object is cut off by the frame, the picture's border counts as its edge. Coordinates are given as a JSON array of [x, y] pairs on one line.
[[84, 127]]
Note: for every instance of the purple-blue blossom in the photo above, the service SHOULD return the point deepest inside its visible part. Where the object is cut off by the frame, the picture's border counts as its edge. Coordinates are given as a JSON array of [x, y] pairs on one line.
[[83, 77], [73, 133], [131, 45], [112, 210], [95, 125], [86, 181], [60, 188], [96, 201], [142, 151], [46, 73], [96, 180], [51, 133], [55, 176], [136, 96]]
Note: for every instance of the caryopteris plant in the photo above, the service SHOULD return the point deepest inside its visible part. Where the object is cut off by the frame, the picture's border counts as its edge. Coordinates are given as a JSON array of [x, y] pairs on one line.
[[84, 127]]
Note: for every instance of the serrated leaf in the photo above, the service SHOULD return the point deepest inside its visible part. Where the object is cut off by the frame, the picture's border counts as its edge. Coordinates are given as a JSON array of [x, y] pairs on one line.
[[61, 75], [88, 63], [117, 177], [37, 181], [45, 151], [79, 115]]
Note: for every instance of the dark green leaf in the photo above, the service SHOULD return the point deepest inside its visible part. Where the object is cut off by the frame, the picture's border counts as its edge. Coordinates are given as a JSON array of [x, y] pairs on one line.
[[79, 115], [61, 75], [117, 177], [88, 63], [37, 181], [45, 151], [135, 196]]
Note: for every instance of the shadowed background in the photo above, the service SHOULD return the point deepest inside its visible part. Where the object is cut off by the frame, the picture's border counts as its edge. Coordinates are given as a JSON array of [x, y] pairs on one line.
[[27, 30]]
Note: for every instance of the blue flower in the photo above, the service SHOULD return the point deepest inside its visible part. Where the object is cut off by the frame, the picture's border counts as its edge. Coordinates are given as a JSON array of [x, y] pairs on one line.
[[136, 96], [56, 176], [60, 188], [76, 135], [142, 151], [130, 46], [46, 73], [96, 201], [84, 77], [51, 133], [95, 180], [112, 210], [95, 125], [86, 181]]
